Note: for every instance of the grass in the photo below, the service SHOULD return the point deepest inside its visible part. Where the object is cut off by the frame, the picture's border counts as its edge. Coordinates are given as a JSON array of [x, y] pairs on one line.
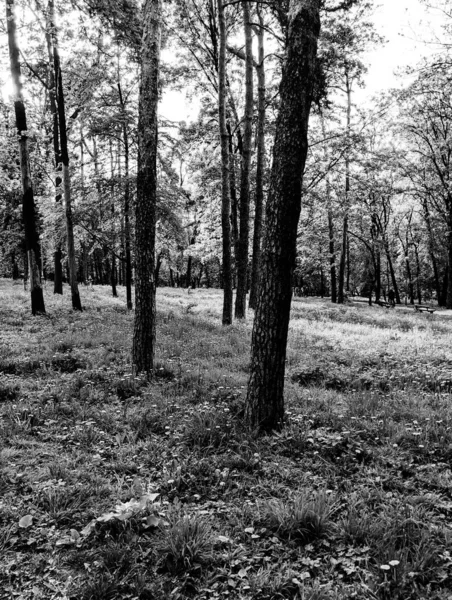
[[114, 487]]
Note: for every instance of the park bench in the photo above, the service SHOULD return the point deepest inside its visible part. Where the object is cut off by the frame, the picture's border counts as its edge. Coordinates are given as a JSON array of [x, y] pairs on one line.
[[424, 308], [385, 304]]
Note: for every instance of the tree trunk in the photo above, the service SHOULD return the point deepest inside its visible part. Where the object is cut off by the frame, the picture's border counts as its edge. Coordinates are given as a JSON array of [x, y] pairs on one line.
[[431, 248], [225, 174], [76, 303], [145, 311], [125, 136], [260, 166], [449, 258], [57, 256], [391, 271], [234, 200], [242, 262], [342, 263], [32, 246], [332, 249], [264, 409]]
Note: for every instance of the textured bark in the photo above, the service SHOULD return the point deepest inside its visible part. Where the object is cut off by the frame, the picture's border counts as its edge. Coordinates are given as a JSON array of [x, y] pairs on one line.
[[75, 295], [260, 160], [32, 246], [144, 326], [264, 408], [242, 259], [431, 249], [225, 174]]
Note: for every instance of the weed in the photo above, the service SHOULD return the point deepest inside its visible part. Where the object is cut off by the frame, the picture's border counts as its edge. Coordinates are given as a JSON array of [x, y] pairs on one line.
[[186, 545], [207, 429], [304, 518]]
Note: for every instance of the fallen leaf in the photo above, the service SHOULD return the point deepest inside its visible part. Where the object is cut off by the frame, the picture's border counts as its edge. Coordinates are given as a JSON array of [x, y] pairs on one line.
[[26, 521]]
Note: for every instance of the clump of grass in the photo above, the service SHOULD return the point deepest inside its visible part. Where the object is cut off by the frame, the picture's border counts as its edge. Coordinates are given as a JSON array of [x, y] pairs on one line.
[[8, 392], [186, 545], [207, 429], [304, 518]]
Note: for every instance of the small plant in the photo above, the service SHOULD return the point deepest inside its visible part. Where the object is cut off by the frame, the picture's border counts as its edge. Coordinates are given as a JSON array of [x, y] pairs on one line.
[[186, 545], [304, 518], [207, 429]]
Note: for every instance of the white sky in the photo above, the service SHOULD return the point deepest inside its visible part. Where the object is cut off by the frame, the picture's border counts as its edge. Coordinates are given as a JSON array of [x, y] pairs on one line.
[[409, 29]]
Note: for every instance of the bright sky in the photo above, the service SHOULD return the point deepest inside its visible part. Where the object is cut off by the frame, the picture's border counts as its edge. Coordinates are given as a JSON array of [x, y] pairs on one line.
[[409, 29]]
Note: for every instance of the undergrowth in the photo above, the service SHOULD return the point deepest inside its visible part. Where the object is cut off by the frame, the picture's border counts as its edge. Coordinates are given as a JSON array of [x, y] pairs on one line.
[[116, 487]]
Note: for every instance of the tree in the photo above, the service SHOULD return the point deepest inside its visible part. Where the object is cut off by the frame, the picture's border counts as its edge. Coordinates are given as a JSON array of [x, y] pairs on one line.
[[265, 401], [242, 258], [144, 326], [64, 156], [28, 204], [225, 174]]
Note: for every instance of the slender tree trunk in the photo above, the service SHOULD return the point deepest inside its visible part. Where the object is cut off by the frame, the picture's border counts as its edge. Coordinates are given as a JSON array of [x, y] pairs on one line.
[[332, 249], [431, 249], [391, 271], [76, 303], [342, 263], [260, 166], [449, 256], [264, 409], [57, 256], [418, 273], [242, 263], [145, 312], [225, 174], [234, 199], [32, 245], [125, 137]]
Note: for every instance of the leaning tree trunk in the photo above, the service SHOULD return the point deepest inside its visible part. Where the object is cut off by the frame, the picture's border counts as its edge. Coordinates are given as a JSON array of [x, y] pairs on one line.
[[144, 327], [32, 246], [264, 409], [242, 262], [260, 160], [225, 175], [76, 303]]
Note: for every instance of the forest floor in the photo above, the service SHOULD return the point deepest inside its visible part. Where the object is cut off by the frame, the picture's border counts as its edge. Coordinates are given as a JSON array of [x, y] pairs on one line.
[[115, 488]]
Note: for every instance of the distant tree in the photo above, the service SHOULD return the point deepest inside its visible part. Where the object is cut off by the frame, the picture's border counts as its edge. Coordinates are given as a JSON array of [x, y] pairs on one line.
[[28, 204], [265, 400], [144, 326]]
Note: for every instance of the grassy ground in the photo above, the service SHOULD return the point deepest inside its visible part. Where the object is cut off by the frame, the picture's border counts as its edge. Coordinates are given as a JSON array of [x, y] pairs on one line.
[[113, 488]]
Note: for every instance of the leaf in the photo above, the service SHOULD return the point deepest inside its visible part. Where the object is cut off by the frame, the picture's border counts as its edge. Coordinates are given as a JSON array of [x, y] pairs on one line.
[[75, 535], [224, 539], [249, 530], [152, 521], [26, 521]]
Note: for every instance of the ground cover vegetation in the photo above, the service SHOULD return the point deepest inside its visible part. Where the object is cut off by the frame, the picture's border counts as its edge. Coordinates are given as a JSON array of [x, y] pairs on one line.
[[113, 486]]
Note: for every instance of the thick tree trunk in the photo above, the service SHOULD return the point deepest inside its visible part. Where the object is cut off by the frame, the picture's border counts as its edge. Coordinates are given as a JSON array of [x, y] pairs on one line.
[[76, 303], [242, 262], [225, 174], [28, 203], [264, 409], [145, 311], [449, 258], [260, 160]]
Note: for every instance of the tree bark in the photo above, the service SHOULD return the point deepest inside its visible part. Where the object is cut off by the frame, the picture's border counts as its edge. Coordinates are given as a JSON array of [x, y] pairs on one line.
[[32, 245], [76, 303], [260, 160], [242, 262], [144, 327], [225, 174], [264, 409]]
